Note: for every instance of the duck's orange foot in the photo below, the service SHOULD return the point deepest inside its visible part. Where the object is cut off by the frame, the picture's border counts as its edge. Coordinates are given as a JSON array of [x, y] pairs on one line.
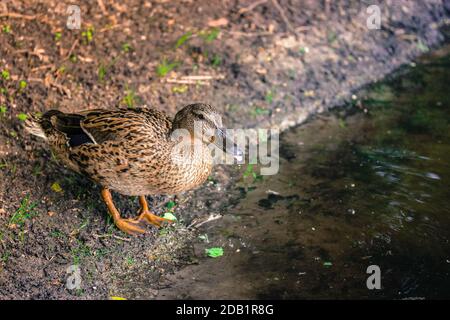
[[151, 218], [129, 226]]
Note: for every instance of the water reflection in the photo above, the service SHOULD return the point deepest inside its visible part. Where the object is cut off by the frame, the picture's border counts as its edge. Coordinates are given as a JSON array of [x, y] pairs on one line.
[[369, 186]]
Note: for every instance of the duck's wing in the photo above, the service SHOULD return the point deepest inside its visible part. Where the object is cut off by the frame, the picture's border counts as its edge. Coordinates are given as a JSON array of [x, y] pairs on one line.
[[98, 126], [62, 128], [137, 123]]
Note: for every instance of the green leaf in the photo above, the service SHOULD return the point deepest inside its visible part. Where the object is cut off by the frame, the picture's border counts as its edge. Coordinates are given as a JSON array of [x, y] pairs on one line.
[[249, 170], [214, 252], [22, 116], [169, 216], [170, 205], [3, 109], [180, 89], [22, 84], [56, 187]]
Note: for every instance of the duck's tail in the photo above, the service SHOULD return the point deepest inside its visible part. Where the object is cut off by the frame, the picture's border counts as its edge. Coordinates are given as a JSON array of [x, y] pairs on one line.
[[33, 124]]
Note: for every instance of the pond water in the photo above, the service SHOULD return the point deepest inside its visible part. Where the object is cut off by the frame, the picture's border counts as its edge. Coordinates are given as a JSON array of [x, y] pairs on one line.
[[364, 185]]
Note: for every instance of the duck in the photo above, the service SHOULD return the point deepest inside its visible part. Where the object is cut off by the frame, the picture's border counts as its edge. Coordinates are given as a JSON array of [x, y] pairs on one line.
[[136, 151]]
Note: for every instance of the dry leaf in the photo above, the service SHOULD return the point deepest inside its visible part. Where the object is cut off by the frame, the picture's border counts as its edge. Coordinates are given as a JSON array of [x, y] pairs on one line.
[[218, 23]]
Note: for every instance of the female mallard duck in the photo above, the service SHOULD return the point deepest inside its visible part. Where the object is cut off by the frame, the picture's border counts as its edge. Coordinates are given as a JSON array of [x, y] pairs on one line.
[[135, 152]]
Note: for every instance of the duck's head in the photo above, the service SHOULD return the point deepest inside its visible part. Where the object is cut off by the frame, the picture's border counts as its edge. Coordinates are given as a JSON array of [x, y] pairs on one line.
[[204, 122]]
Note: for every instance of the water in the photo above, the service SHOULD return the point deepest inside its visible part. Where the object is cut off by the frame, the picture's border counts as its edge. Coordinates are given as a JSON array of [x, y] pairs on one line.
[[368, 185]]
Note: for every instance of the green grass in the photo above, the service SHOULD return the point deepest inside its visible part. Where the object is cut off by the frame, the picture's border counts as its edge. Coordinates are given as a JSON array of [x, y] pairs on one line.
[[130, 99], [58, 36], [165, 67], [250, 171], [5, 74], [181, 40], [25, 212], [258, 111], [331, 37], [101, 72], [269, 96], [3, 165], [210, 35], [5, 257], [80, 251], [6, 28], [303, 50], [102, 252], [130, 261], [56, 233], [216, 60], [54, 157], [126, 47], [3, 110], [61, 70], [88, 34]]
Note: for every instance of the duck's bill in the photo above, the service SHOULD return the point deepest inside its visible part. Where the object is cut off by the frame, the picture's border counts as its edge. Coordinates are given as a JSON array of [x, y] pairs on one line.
[[227, 144]]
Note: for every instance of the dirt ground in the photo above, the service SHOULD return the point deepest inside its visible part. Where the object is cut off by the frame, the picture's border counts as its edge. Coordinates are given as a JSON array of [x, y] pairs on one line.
[[263, 63]]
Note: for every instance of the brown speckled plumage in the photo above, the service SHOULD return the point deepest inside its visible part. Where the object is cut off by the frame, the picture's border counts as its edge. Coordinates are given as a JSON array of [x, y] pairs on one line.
[[131, 151]]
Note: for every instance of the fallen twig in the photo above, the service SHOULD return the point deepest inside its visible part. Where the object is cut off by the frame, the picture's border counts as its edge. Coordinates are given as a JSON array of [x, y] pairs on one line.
[[252, 6], [75, 43], [45, 66], [211, 217], [283, 16], [251, 34], [196, 79], [203, 77], [102, 7], [16, 16], [107, 28], [111, 235], [180, 81]]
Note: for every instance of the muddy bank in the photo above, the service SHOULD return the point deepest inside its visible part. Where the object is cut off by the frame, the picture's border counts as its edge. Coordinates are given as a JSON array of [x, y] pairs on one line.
[[264, 67]]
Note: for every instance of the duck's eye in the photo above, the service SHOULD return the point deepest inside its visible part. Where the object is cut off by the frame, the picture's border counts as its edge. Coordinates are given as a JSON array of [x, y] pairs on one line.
[[201, 117]]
